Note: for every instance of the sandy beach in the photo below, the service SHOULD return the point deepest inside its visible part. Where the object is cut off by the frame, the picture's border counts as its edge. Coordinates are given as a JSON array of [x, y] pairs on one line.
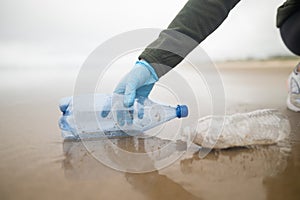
[[35, 163]]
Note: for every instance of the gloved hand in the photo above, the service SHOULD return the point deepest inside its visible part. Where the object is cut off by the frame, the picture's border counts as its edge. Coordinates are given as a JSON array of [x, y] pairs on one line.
[[138, 83]]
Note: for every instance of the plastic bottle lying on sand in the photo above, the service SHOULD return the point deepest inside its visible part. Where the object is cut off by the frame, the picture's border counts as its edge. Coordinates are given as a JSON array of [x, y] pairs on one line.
[[265, 126], [98, 115]]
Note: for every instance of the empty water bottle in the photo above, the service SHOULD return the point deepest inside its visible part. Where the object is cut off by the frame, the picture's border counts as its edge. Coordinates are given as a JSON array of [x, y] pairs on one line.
[[98, 115], [265, 126]]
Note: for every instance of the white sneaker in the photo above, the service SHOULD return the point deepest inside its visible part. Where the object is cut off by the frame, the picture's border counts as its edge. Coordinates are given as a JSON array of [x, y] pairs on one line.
[[293, 99]]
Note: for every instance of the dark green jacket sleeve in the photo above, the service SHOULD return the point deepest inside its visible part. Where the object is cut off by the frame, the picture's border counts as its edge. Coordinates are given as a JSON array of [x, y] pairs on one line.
[[287, 9], [196, 20]]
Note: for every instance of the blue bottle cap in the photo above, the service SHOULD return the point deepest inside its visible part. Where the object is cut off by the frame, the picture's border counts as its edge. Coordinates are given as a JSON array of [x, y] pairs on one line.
[[182, 111]]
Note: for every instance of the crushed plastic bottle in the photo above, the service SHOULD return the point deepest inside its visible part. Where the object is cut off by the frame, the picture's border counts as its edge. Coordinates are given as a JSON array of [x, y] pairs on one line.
[[265, 126], [98, 115]]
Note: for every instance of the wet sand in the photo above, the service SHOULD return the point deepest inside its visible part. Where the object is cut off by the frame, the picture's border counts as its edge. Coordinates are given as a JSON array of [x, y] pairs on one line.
[[35, 163]]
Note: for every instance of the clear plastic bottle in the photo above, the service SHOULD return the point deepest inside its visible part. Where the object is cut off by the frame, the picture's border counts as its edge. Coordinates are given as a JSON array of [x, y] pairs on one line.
[[267, 126], [98, 115]]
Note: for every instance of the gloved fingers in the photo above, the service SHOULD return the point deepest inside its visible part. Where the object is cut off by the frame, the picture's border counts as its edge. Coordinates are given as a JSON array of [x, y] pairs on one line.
[[130, 93], [105, 113], [125, 117], [143, 93], [120, 114], [129, 117], [140, 107], [106, 108], [127, 87], [121, 117], [120, 89], [129, 99], [136, 80], [133, 79]]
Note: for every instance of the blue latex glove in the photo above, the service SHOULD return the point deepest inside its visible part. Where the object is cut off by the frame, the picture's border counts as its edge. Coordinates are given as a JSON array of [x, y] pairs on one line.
[[138, 83]]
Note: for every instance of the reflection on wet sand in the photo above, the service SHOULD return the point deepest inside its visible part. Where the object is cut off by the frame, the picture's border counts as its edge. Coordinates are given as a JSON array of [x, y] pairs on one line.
[[132, 154], [234, 173], [129, 154], [157, 186], [229, 174], [79, 164]]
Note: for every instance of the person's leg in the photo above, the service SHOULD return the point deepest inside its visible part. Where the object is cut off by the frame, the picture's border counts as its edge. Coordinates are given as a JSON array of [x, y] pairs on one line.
[[290, 33]]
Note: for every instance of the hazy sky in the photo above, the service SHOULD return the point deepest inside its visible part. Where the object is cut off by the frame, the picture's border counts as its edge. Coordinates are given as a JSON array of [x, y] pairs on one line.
[[64, 32]]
